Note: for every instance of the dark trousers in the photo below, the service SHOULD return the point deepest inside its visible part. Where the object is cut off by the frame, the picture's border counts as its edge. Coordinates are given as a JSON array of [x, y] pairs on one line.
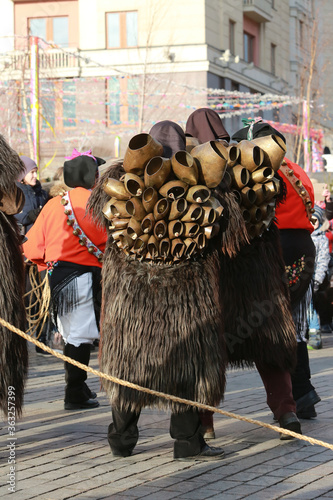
[[279, 393], [123, 433], [278, 390], [301, 376]]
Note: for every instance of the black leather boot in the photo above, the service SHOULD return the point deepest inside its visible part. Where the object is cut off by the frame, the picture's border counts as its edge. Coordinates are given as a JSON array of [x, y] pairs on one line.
[[77, 394]]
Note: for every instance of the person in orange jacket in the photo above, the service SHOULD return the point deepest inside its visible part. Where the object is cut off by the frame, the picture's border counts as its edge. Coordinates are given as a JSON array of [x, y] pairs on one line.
[[65, 240]]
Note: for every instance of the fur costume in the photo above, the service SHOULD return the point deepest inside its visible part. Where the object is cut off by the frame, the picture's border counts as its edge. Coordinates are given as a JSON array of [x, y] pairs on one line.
[[258, 322], [13, 348], [162, 329], [156, 318], [255, 298]]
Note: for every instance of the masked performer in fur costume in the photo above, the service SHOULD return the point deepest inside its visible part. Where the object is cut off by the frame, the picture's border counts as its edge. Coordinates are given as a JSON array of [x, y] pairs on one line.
[[65, 240], [258, 323], [14, 353], [162, 323]]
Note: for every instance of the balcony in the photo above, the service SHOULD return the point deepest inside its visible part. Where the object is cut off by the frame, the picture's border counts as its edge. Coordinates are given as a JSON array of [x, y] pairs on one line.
[[261, 11], [52, 62]]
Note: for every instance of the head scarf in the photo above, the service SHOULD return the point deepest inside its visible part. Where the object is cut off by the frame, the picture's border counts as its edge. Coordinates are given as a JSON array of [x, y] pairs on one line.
[[206, 125], [254, 130], [170, 135]]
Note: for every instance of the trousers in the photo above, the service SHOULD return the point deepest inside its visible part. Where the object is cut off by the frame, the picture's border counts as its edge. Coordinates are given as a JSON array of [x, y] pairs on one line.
[[185, 426]]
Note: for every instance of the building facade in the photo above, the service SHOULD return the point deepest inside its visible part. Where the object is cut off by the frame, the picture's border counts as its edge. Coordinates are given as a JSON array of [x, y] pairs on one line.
[[111, 69]]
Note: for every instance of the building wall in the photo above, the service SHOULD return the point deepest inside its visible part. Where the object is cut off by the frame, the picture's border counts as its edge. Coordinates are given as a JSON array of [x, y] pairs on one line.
[[24, 11], [6, 26], [161, 22], [181, 44], [325, 69]]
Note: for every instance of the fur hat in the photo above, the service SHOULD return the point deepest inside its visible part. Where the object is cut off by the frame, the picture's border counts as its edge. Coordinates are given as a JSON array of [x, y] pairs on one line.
[[80, 169]]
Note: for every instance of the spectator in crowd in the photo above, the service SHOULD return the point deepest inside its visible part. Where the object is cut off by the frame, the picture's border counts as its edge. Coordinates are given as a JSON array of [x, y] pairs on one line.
[[35, 198], [321, 279]]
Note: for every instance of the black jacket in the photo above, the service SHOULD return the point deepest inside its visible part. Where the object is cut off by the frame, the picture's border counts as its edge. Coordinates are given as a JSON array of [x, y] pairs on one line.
[[35, 199]]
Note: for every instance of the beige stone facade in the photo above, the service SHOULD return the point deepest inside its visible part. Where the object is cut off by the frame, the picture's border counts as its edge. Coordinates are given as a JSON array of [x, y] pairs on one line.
[[134, 62]]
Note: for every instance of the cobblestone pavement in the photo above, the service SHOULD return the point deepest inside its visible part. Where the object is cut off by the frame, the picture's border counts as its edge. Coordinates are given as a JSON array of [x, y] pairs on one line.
[[61, 454]]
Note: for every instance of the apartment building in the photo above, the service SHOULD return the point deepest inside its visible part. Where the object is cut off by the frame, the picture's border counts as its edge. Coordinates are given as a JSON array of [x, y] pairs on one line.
[[110, 68]]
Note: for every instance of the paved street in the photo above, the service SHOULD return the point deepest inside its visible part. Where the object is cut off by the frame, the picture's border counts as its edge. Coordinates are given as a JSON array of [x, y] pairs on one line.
[[61, 454]]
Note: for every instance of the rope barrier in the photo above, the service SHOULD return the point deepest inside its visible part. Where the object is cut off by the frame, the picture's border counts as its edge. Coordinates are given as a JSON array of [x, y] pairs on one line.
[[40, 291], [169, 397]]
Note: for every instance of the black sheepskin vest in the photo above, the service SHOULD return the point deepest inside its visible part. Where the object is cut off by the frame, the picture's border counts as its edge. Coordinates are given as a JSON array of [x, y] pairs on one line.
[[258, 324]]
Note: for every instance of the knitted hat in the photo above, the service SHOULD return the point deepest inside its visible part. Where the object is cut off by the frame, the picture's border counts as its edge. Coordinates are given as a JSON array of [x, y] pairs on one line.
[[29, 165], [319, 214]]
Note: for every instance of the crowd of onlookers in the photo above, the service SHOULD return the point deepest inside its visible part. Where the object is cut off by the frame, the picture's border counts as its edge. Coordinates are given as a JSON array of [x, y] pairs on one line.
[[321, 310]]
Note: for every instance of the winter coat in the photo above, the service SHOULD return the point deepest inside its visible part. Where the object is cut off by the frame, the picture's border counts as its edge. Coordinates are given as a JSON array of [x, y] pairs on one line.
[[322, 255], [35, 199]]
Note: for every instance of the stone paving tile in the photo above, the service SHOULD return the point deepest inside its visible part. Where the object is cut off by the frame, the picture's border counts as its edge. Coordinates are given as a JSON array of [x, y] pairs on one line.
[[64, 455]]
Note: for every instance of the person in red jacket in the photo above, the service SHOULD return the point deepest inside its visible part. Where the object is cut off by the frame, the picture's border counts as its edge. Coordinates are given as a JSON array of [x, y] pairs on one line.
[[249, 279], [65, 240], [293, 216]]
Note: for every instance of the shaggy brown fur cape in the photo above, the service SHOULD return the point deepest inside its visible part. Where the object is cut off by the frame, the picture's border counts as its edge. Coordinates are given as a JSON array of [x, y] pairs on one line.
[[165, 327], [162, 329], [161, 325], [13, 348]]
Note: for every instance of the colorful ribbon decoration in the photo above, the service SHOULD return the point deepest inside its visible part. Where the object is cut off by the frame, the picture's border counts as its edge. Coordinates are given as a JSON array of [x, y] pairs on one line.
[[250, 122], [76, 153]]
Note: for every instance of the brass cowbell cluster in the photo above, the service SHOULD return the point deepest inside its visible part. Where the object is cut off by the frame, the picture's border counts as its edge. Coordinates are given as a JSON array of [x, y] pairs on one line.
[[250, 173], [162, 209]]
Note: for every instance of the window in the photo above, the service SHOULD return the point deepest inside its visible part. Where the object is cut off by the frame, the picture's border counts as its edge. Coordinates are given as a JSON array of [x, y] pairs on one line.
[[114, 100], [232, 26], [51, 29], [69, 103], [234, 86], [273, 58], [248, 47], [301, 33], [132, 98], [122, 29], [47, 93]]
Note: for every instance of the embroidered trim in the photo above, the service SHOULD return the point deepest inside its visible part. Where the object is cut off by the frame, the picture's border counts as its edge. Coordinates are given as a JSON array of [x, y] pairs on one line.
[[77, 231], [295, 270], [299, 188], [51, 265]]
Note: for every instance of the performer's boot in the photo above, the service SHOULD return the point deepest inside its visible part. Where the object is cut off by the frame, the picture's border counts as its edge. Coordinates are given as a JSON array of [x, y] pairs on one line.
[[77, 393]]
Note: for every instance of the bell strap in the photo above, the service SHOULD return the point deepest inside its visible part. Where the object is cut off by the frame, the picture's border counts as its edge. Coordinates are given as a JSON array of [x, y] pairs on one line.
[[299, 188], [77, 231]]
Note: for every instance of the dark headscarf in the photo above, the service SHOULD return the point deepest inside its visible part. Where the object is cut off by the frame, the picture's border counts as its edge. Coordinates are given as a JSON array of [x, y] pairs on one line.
[[260, 129], [206, 125], [170, 135]]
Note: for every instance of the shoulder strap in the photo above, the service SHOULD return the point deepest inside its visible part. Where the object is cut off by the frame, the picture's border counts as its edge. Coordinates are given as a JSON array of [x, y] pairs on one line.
[[77, 230], [298, 187]]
